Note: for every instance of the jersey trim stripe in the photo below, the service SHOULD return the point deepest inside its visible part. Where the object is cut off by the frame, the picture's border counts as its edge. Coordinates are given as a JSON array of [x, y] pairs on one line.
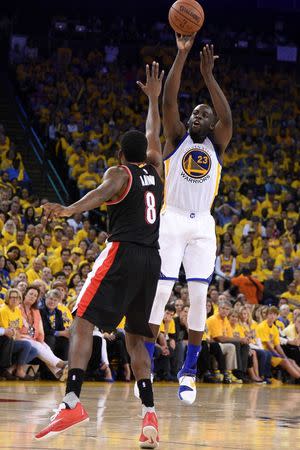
[[122, 196], [177, 147], [96, 279], [201, 280], [162, 277], [167, 168], [217, 184]]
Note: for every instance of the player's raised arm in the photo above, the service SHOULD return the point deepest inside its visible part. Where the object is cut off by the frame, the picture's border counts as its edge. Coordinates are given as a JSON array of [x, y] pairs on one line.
[[223, 127], [114, 182], [174, 129], [152, 89]]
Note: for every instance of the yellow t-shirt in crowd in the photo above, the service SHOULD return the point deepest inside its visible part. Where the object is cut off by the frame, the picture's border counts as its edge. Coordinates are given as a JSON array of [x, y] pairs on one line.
[[10, 318], [171, 329], [218, 327], [238, 331], [66, 315], [268, 334]]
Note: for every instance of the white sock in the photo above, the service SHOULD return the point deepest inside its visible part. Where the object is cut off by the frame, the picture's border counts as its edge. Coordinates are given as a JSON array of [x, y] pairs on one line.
[[146, 409]]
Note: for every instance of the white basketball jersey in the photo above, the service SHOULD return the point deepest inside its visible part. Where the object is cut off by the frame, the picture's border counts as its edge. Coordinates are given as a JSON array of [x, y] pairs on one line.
[[192, 176]]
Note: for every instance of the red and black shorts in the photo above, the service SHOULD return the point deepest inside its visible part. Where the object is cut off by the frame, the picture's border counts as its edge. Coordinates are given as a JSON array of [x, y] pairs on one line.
[[122, 283]]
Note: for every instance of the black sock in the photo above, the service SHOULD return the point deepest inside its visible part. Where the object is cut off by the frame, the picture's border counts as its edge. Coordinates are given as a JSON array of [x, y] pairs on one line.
[[146, 392], [75, 380]]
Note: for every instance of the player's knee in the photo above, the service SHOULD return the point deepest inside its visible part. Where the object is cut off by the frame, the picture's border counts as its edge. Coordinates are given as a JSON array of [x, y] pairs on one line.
[[162, 296]]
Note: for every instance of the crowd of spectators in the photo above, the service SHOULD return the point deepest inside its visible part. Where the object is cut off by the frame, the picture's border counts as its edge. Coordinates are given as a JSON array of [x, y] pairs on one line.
[[83, 104]]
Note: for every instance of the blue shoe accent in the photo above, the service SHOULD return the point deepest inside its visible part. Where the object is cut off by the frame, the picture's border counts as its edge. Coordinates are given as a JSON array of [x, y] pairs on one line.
[[186, 372], [182, 389]]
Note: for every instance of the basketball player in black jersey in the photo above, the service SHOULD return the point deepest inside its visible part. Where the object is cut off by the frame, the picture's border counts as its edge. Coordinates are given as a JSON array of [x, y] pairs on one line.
[[124, 277]]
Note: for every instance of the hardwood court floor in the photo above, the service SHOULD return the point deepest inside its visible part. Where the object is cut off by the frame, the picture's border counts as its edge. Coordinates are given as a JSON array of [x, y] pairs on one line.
[[223, 417]]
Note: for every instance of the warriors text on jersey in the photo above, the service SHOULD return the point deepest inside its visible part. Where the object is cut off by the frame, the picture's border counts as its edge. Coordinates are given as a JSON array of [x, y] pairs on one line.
[[134, 217], [192, 174]]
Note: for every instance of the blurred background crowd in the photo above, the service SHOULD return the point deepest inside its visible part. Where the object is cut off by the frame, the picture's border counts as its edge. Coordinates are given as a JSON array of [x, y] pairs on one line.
[[80, 98]]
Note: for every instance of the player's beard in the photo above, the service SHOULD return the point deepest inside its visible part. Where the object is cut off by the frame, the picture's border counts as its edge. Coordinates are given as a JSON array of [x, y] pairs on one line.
[[198, 136]]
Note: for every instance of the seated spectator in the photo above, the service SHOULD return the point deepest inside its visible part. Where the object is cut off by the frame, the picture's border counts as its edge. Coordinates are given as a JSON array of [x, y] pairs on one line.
[[291, 294], [178, 306], [284, 261], [11, 323], [288, 274], [239, 331], [181, 334], [98, 367], [209, 349], [269, 335], [290, 340], [117, 353], [250, 330], [243, 259], [33, 332], [249, 286], [273, 288], [219, 330], [284, 312], [165, 358], [56, 336], [225, 266]]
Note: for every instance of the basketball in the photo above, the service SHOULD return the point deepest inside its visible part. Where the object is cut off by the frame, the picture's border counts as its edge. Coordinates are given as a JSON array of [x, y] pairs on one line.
[[186, 16]]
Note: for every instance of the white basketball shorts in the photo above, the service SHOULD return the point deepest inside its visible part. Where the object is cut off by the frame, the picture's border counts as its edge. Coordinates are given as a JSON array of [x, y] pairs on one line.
[[188, 238]]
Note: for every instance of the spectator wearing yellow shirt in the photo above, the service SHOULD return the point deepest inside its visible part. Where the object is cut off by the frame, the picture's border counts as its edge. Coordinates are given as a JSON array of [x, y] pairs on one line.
[[25, 249], [250, 328], [58, 263], [88, 180], [9, 233], [83, 234], [219, 330], [75, 155], [291, 212], [269, 335], [243, 260], [79, 167], [66, 313], [292, 295], [47, 241], [275, 210], [239, 331], [284, 261], [11, 321], [58, 233], [35, 272], [64, 243]]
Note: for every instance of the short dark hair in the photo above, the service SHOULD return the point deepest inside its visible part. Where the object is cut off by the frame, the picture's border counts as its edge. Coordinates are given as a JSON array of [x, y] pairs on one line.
[[134, 146], [170, 307]]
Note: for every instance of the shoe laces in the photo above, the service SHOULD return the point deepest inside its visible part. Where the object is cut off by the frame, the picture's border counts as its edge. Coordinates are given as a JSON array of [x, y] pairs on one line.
[[56, 411]]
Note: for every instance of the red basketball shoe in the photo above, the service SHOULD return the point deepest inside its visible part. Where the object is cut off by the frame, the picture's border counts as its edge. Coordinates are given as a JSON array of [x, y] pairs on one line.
[[149, 436], [63, 419]]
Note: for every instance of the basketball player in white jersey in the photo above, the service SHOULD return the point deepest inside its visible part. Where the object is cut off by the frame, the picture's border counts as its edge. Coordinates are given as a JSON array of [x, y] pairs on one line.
[[193, 163]]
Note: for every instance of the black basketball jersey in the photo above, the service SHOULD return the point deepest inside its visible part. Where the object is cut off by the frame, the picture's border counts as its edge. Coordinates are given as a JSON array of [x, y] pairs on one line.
[[134, 217]]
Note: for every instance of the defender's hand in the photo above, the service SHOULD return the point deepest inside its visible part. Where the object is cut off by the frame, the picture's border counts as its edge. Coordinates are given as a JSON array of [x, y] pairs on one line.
[[207, 60], [52, 210], [152, 88]]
